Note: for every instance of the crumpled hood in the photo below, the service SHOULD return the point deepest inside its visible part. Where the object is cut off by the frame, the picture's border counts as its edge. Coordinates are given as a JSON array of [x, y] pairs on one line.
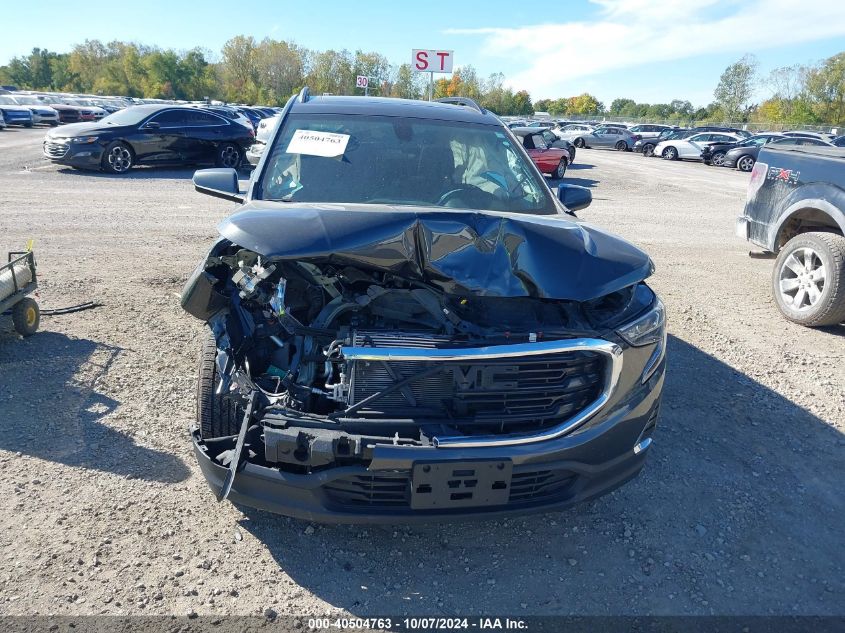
[[460, 252]]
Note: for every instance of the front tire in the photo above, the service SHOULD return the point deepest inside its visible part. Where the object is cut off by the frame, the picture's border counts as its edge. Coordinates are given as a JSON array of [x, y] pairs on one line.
[[228, 155], [560, 170], [217, 415], [118, 158], [808, 280], [670, 153], [26, 316], [745, 163], [579, 143]]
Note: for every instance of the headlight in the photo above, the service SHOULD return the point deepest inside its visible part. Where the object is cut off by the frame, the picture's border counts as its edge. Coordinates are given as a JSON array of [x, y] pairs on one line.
[[648, 328], [84, 139]]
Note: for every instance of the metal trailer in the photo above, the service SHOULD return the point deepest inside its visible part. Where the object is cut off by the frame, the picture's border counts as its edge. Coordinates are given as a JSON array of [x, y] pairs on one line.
[[17, 282]]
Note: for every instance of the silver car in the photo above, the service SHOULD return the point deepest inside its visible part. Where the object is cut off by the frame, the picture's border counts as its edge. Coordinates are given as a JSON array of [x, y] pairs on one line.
[[605, 136], [649, 130]]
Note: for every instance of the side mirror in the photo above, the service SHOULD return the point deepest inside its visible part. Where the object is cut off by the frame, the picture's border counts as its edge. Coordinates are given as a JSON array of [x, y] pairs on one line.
[[574, 197], [152, 125], [220, 183]]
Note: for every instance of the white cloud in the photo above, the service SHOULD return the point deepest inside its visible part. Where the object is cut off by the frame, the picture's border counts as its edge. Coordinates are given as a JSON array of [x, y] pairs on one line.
[[630, 33]]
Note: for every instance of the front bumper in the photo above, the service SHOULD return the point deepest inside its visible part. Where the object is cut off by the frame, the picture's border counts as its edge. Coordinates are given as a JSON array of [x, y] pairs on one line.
[[82, 155], [729, 161], [546, 476], [18, 120]]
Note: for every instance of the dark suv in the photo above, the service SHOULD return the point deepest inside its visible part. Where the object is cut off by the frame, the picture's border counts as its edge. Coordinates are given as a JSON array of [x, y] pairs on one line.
[[404, 323]]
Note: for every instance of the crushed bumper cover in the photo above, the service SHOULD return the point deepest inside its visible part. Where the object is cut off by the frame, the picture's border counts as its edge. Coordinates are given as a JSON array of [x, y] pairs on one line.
[[542, 476]]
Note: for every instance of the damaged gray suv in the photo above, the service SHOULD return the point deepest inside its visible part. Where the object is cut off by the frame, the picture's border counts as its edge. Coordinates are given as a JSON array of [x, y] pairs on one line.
[[405, 324]]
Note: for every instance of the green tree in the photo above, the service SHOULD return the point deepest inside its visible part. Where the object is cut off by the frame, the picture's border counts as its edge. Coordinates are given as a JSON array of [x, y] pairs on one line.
[[736, 87]]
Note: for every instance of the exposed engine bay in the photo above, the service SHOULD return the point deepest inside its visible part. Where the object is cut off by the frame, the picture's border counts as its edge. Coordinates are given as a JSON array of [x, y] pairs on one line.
[[335, 330], [293, 335]]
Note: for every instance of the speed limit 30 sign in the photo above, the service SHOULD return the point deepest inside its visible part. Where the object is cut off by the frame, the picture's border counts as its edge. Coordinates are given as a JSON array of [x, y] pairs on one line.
[[361, 81]]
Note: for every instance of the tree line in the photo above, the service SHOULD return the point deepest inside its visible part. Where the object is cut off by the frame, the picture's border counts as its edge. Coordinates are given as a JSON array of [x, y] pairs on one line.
[[269, 71]]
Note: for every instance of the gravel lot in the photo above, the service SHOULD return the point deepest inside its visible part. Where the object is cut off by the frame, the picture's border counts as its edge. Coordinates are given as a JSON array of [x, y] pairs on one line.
[[738, 511]]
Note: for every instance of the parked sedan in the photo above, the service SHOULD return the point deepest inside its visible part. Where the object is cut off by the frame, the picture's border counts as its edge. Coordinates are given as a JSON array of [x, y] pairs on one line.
[[549, 160], [42, 114], [690, 148], [15, 114], [150, 134], [714, 153], [67, 113], [743, 157], [839, 141], [649, 130], [550, 138], [607, 136], [646, 145]]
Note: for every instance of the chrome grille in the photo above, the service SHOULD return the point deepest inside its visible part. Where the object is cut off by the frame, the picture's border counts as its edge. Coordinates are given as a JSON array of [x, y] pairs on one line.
[[491, 395], [55, 150]]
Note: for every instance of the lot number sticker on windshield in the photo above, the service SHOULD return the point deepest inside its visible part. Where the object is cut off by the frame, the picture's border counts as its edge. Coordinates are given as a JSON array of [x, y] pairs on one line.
[[313, 143]]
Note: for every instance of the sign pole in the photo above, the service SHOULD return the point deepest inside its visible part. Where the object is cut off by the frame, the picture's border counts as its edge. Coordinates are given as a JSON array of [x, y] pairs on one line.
[[430, 86]]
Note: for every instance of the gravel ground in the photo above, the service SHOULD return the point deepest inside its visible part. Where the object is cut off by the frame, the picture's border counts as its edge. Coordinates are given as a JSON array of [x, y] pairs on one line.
[[738, 511]]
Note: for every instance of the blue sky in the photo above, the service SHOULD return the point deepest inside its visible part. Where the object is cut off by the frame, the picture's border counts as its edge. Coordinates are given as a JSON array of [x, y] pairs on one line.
[[647, 50]]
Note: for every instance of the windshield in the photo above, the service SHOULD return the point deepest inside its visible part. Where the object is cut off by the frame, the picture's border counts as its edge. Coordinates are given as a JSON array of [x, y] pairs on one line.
[[390, 160], [127, 116]]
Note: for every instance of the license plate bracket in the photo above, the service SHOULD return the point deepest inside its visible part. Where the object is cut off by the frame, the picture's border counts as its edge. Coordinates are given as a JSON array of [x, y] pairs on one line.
[[447, 485]]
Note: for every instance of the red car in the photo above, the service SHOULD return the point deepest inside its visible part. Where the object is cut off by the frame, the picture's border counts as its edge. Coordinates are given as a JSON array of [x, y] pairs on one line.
[[549, 160]]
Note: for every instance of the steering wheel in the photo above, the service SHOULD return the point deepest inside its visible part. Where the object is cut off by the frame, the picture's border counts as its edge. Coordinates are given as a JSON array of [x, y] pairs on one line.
[[470, 191]]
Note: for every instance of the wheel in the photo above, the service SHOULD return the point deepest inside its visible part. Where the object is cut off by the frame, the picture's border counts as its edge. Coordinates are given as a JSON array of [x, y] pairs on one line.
[[809, 279], [217, 416], [718, 159], [579, 143], [745, 163], [571, 151], [670, 153], [560, 170], [118, 158], [621, 146], [26, 316], [228, 155], [648, 149], [28, 124]]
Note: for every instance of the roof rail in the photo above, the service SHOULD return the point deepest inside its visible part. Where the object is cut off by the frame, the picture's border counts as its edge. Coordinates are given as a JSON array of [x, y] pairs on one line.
[[463, 101], [304, 95]]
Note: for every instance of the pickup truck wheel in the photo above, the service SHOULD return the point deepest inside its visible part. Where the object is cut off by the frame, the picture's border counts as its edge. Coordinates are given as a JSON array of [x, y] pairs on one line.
[[560, 170], [26, 316], [746, 163], [217, 416], [809, 279]]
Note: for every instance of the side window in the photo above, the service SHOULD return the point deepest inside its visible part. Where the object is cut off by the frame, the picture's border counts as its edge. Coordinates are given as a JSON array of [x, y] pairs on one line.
[[539, 143], [170, 118], [198, 118], [698, 138], [549, 137]]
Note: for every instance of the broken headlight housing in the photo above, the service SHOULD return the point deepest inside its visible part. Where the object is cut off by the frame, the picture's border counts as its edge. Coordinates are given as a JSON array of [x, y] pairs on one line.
[[647, 329]]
